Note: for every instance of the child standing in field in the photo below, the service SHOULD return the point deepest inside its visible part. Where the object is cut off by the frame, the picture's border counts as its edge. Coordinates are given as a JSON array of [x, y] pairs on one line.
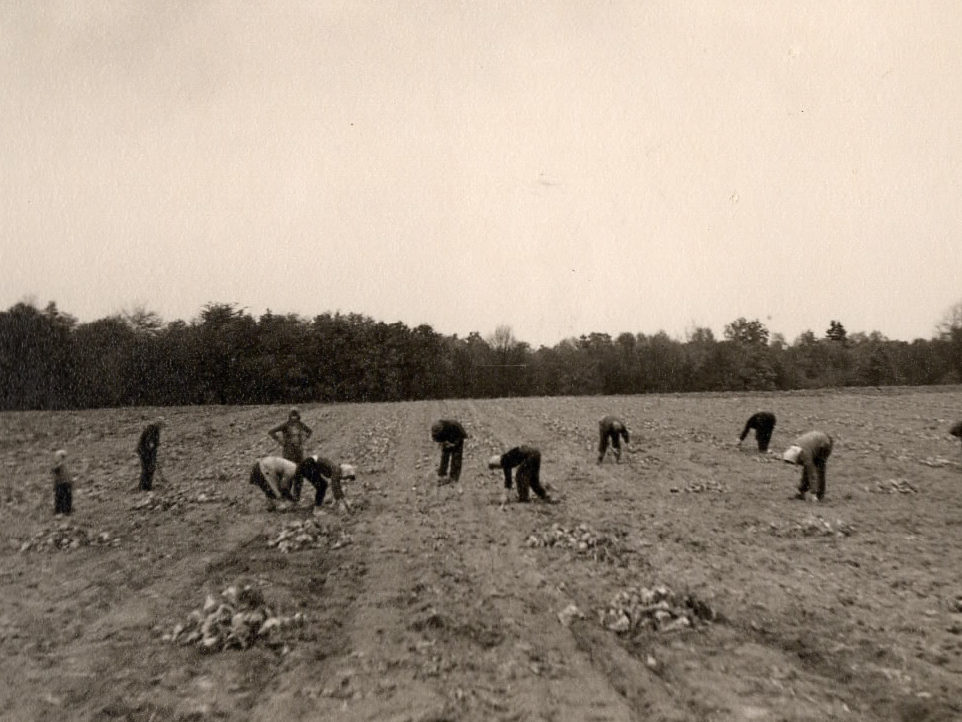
[[612, 429], [764, 423], [291, 435], [811, 452], [62, 484]]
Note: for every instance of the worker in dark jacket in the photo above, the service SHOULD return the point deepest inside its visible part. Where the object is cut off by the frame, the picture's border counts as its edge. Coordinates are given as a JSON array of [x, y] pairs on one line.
[[764, 423], [321, 473], [811, 452], [451, 435], [527, 459], [956, 430], [147, 449], [612, 429]]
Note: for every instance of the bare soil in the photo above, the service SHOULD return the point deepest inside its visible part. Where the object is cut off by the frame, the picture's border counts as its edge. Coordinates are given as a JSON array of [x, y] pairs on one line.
[[436, 605]]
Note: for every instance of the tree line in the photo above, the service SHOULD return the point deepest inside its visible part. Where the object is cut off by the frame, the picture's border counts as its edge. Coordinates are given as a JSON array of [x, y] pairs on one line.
[[225, 356]]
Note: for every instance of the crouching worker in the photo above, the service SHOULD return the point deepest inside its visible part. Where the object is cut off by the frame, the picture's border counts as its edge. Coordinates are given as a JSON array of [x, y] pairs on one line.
[[764, 423], [62, 484], [612, 429], [451, 436], [811, 452], [321, 473], [528, 461], [275, 477]]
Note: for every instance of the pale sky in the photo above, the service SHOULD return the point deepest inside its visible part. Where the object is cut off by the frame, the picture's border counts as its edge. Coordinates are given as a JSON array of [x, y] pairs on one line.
[[562, 167]]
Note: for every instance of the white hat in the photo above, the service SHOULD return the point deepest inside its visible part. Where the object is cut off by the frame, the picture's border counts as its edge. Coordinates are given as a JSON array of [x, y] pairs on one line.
[[348, 471], [60, 454], [494, 462], [791, 454]]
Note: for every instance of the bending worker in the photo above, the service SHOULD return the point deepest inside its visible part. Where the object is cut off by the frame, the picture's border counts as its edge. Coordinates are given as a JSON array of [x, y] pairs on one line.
[[451, 435], [613, 429], [528, 461], [811, 452], [764, 423]]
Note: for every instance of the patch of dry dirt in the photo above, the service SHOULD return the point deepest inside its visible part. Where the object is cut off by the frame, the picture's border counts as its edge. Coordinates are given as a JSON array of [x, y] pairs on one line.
[[435, 603]]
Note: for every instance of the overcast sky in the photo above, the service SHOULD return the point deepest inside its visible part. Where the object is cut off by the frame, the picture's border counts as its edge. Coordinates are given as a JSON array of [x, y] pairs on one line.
[[558, 166]]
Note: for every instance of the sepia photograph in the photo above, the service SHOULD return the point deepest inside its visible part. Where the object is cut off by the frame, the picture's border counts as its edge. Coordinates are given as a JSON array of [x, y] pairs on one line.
[[441, 360]]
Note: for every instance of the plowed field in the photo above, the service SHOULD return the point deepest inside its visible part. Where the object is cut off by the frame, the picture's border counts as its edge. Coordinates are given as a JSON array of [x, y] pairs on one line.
[[433, 602]]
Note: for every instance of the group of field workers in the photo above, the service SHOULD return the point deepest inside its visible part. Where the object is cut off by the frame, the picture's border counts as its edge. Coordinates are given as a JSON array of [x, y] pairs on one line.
[[281, 478]]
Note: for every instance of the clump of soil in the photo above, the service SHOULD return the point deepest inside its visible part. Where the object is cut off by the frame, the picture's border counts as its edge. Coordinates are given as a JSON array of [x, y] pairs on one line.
[[894, 486], [813, 526]]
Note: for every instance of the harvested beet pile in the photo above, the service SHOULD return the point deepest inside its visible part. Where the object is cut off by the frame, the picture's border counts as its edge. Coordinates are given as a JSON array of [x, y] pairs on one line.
[[813, 526], [176, 499], [308, 534], [699, 487], [237, 619], [65, 536], [658, 610], [583, 540]]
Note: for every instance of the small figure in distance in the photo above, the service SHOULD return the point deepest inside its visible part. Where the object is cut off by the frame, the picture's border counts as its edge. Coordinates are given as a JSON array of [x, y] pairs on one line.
[[62, 484], [291, 435], [811, 452], [147, 449], [764, 423], [451, 435], [611, 428], [528, 461]]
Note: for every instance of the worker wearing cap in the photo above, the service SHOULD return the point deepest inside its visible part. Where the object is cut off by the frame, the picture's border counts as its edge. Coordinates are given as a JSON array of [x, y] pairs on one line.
[[291, 435], [62, 484], [764, 423], [147, 449], [811, 452], [451, 435], [612, 429], [527, 459]]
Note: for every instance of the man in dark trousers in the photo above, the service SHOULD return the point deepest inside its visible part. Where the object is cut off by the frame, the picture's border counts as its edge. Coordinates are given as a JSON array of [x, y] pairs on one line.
[[528, 461], [147, 450], [764, 423], [612, 429], [321, 473], [451, 435], [811, 452]]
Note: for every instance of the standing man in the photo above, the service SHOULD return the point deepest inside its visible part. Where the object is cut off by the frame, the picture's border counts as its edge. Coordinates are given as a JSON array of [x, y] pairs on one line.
[[811, 452], [451, 435], [611, 428], [528, 461], [147, 451], [62, 485], [291, 435], [764, 423]]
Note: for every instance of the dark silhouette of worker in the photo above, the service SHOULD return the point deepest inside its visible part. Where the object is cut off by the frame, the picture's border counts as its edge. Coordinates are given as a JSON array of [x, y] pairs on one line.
[[62, 484], [451, 435], [291, 436], [527, 459], [956, 430], [811, 452], [764, 423], [612, 429], [147, 451]]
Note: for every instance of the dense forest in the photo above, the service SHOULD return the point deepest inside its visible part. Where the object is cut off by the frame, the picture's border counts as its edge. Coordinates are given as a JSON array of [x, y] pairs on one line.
[[225, 356]]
